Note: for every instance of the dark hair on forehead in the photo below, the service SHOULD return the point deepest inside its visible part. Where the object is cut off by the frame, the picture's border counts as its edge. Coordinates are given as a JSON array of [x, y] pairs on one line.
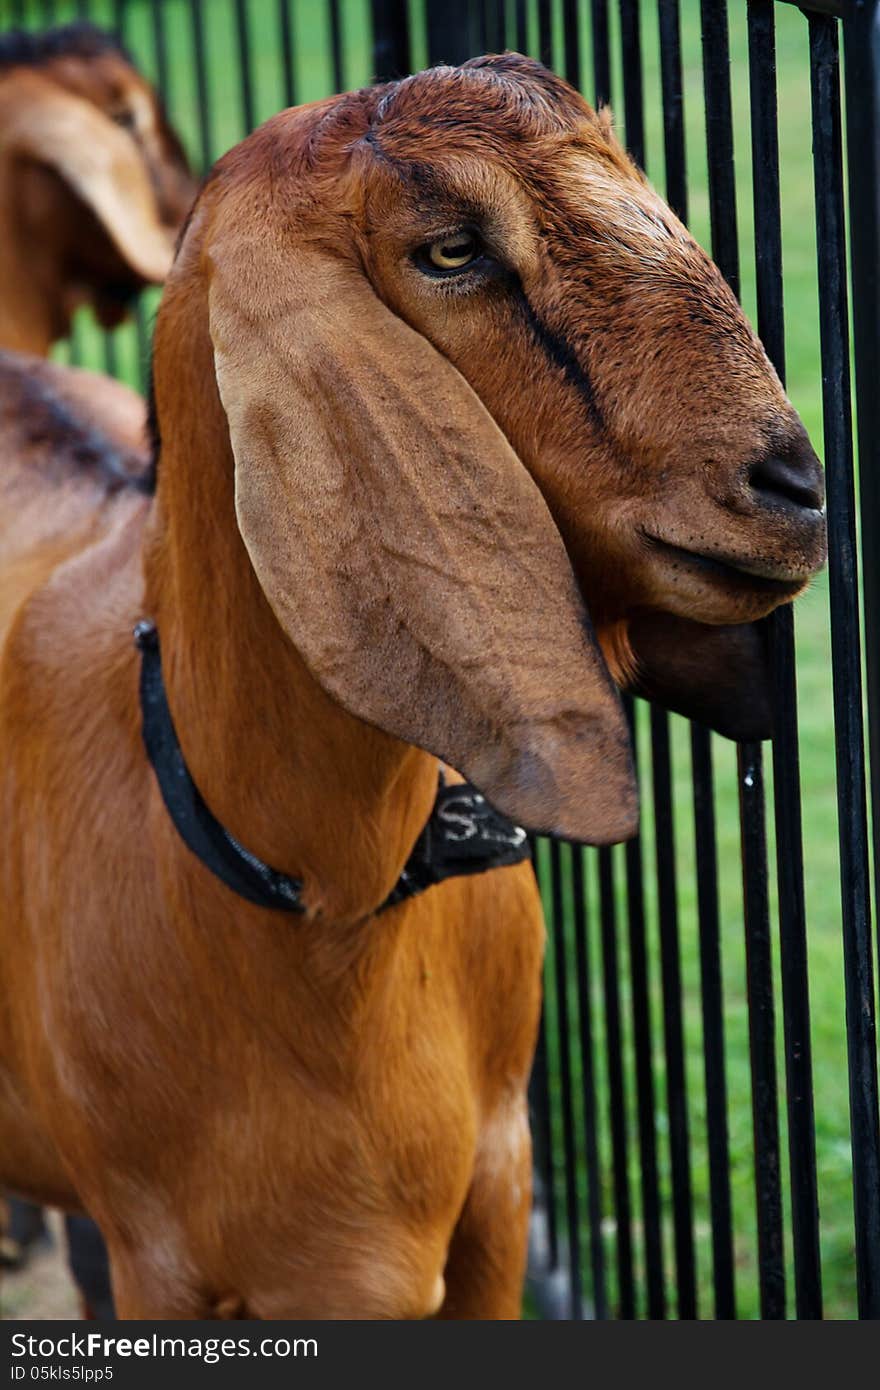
[[22, 48], [521, 92]]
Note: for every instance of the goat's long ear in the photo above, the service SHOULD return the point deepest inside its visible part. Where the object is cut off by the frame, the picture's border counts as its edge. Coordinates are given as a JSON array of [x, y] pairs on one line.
[[101, 163], [403, 545], [720, 676]]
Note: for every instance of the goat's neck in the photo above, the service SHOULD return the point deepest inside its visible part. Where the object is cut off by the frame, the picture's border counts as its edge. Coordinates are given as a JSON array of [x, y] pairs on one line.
[[307, 787], [26, 314]]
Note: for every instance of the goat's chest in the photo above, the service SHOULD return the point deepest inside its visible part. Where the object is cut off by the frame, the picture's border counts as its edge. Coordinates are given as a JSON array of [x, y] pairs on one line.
[[351, 1174], [324, 1139], [339, 1201]]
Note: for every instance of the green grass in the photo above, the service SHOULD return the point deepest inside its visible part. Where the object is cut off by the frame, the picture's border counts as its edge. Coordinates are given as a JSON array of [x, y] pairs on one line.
[[314, 79]]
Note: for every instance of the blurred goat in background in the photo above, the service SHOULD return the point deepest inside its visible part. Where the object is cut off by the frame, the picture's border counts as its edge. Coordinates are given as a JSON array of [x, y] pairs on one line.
[[94, 184]]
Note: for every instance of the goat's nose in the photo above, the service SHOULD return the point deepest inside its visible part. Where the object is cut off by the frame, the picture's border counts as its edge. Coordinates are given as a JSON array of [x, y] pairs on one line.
[[793, 481]]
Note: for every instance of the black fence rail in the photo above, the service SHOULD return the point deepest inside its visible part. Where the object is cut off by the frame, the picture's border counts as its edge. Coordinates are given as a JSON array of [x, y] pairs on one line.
[[690, 1156]]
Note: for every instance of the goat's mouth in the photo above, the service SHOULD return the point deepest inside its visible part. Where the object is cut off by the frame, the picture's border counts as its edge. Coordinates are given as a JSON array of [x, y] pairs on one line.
[[750, 575]]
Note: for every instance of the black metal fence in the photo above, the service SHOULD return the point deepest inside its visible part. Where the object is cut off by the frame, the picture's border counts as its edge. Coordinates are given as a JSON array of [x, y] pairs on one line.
[[669, 1284], [654, 1197]]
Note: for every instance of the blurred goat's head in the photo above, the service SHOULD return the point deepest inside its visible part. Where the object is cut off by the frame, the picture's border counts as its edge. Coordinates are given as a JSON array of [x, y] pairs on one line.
[[94, 184], [477, 375]]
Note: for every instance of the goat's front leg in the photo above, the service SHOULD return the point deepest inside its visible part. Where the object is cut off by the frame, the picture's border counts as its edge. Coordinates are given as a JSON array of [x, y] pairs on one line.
[[485, 1268]]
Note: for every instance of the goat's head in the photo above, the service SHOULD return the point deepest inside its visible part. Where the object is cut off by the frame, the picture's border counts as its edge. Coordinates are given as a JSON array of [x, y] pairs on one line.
[[477, 378], [96, 179]]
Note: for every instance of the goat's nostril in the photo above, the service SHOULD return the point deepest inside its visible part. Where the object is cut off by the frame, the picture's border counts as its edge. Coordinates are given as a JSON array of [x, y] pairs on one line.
[[787, 480]]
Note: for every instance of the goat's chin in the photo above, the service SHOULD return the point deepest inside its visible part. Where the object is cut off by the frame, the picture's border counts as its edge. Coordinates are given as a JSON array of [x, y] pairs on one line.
[[730, 608], [718, 592]]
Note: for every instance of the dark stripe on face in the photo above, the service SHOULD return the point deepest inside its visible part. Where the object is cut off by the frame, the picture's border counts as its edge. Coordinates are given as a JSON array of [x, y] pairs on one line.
[[561, 354]]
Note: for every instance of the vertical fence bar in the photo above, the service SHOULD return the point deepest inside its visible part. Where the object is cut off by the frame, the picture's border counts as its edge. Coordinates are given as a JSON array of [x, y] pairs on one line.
[[160, 44], [391, 39], [566, 1085], [846, 658], [673, 1030], [111, 357], [601, 52], [336, 46], [711, 991], [795, 977], [493, 25], [643, 1038], [677, 1104], [75, 341], [633, 100], [479, 28], [672, 89], [285, 34], [142, 324], [197, 26], [722, 208], [246, 85], [520, 26], [786, 761], [545, 33], [571, 34], [719, 138], [540, 1105], [584, 975], [108, 340], [616, 1087], [452, 31], [642, 1029], [142, 327], [861, 33], [762, 1030]]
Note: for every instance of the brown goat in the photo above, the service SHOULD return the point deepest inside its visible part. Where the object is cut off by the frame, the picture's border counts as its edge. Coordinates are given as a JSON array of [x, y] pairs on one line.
[[94, 184], [435, 369]]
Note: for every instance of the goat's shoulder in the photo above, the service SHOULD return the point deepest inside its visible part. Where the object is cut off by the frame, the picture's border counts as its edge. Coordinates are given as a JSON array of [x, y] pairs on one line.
[[64, 422], [72, 463], [66, 617]]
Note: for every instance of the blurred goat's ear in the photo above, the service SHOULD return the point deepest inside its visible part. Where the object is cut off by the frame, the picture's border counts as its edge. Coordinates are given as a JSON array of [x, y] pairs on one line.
[[720, 676], [403, 545], [99, 161]]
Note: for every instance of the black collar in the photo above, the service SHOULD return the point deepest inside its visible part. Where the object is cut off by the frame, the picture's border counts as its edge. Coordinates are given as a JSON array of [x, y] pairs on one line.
[[464, 835]]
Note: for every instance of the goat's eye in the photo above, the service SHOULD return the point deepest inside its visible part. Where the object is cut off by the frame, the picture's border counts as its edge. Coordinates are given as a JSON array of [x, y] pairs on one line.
[[124, 118], [454, 252]]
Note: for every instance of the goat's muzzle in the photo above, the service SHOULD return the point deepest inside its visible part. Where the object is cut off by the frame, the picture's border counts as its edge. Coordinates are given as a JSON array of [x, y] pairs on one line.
[[782, 495], [774, 539], [793, 483], [760, 543]]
